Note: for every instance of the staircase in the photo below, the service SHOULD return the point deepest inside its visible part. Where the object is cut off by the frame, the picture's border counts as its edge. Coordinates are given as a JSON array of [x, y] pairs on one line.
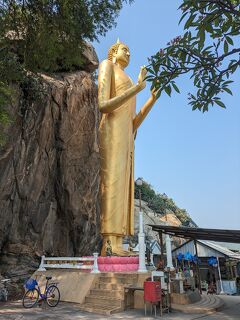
[[107, 296]]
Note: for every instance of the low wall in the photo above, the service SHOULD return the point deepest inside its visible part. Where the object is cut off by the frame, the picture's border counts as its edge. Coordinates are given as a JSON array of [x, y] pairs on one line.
[[185, 298], [74, 285]]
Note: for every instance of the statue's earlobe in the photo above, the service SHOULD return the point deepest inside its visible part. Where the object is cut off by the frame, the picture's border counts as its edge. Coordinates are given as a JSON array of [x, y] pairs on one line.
[[114, 58]]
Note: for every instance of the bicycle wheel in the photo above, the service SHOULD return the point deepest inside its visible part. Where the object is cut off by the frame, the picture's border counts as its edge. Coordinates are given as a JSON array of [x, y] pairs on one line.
[[52, 296], [30, 298]]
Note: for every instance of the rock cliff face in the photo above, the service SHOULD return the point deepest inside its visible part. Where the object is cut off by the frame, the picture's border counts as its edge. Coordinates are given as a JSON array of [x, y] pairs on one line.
[[149, 217], [49, 174]]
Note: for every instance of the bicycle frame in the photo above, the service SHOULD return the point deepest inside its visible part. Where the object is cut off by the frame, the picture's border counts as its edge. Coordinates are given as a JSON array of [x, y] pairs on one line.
[[43, 296], [34, 295]]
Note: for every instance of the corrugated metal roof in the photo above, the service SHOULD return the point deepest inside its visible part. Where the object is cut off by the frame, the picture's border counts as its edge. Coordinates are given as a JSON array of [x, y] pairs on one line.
[[206, 249], [231, 246], [221, 235], [221, 249]]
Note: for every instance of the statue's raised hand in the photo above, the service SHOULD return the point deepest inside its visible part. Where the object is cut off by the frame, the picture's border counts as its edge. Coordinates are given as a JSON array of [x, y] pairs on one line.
[[154, 93], [141, 77]]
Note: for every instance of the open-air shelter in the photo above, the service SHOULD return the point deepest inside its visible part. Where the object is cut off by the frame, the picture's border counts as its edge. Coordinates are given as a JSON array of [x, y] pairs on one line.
[[195, 234]]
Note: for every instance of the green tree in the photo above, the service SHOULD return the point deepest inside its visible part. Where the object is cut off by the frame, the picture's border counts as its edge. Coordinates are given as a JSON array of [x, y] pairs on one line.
[[10, 71], [47, 35], [50, 33], [208, 51]]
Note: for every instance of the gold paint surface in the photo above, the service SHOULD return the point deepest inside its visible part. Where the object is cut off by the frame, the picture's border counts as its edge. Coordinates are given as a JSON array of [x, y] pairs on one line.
[[117, 102]]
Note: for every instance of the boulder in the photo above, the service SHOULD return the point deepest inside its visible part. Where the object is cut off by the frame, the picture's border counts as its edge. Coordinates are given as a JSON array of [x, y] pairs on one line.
[[90, 58]]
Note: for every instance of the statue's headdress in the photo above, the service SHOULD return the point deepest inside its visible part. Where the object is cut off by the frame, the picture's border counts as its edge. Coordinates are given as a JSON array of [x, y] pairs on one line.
[[114, 48]]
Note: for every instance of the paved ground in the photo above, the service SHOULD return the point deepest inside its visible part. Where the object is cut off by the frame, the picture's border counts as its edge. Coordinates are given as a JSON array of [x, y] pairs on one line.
[[67, 311]]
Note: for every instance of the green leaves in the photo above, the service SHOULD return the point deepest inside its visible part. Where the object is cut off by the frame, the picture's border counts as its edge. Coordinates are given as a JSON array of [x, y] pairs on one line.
[[205, 52], [10, 72], [175, 87], [159, 203], [229, 40], [47, 36], [228, 91], [168, 90], [190, 20], [225, 47], [51, 33], [220, 103], [201, 36]]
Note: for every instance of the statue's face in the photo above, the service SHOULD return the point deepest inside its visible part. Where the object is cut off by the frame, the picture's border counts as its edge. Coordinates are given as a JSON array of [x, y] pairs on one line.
[[123, 55]]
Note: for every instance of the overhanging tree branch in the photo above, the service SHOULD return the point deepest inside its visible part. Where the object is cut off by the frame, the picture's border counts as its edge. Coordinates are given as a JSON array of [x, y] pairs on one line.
[[210, 65]]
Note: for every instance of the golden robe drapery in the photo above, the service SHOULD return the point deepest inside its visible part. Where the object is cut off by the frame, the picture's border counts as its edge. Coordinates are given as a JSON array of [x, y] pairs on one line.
[[117, 158]]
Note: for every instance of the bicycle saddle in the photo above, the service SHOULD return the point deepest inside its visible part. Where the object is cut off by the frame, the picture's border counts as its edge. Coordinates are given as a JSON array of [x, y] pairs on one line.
[[48, 278]]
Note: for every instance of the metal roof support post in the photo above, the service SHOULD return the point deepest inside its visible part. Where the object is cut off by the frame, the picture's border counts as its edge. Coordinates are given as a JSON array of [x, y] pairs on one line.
[[198, 271], [220, 277]]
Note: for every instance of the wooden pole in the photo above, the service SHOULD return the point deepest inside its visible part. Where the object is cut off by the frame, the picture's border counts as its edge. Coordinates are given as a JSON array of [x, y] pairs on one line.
[[161, 246], [198, 271]]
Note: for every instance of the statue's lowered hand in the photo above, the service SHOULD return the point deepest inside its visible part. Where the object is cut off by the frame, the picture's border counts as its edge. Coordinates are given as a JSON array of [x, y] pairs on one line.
[[141, 77]]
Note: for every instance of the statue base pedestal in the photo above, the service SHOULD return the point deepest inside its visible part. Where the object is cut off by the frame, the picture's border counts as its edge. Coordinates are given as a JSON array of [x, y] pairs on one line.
[[118, 264]]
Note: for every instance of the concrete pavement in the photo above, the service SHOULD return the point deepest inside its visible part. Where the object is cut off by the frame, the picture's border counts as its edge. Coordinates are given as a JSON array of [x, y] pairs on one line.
[[67, 311]]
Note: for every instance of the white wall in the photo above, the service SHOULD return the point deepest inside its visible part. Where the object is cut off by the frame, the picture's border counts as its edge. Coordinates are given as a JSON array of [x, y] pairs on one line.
[[203, 251]]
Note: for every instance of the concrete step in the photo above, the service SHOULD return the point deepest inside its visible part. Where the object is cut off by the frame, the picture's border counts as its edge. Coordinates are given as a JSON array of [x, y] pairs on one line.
[[100, 309], [123, 280], [207, 304], [104, 301], [108, 293], [207, 301], [108, 286], [129, 275]]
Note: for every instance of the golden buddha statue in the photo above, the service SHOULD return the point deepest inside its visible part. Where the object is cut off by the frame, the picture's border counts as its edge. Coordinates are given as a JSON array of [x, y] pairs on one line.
[[118, 126]]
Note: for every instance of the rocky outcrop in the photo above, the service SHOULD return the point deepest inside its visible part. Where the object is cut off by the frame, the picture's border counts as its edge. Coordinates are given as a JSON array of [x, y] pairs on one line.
[[152, 218], [149, 217], [49, 173], [90, 59], [171, 219]]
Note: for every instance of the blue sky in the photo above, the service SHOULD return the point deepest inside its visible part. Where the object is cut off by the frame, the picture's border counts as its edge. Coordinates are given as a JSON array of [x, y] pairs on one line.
[[193, 157]]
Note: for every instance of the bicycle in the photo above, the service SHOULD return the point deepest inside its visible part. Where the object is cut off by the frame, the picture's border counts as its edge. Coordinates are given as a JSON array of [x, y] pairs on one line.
[[31, 297], [4, 290]]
